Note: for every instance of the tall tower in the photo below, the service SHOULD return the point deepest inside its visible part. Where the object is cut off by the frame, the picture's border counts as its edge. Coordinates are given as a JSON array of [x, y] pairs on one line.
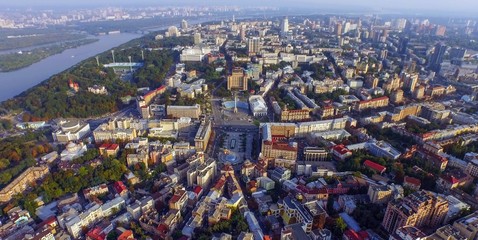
[[338, 29], [242, 33], [284, 26], [197, 38], [184, 25], [436, 58], [253, 46]]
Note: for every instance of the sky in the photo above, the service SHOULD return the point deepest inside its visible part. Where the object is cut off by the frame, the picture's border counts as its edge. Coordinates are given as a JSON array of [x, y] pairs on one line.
[[452, 6]]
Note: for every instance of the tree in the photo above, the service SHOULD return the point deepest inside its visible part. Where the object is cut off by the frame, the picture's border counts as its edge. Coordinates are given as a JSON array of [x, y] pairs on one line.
[[340, 226]]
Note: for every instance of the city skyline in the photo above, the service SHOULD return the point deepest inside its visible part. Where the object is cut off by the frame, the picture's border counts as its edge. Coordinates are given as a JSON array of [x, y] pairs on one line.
[[442, 6]]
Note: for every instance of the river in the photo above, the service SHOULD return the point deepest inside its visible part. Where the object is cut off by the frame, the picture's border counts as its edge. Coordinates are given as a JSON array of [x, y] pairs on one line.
[[14, 83]]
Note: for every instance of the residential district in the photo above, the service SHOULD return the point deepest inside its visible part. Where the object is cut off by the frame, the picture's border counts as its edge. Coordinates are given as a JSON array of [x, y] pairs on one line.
[[290, 128]]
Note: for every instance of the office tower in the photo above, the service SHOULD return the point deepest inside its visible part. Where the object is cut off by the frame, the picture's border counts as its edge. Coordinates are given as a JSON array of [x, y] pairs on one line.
[[242, 33], [338, 29], [436, 58], [184, 24], [456, 55], [197, 38], [346, 27], [237, 80], [422, 208], [403, 45], [253, 46], [284, 27]]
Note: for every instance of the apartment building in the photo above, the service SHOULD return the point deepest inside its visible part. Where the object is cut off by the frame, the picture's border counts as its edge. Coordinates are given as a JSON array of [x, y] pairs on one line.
[[422, 208], [22, 182], [373, 103], [203, 135]]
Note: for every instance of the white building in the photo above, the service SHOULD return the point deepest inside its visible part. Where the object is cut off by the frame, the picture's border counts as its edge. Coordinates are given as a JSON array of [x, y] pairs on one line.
[[258, 106]]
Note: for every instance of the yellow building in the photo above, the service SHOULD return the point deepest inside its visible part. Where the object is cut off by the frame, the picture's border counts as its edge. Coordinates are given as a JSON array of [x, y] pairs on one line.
[[237, 80], [22, 182]]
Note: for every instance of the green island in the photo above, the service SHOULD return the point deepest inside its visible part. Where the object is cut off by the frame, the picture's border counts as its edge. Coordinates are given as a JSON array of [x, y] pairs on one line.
[[15, 61], [25, 38]]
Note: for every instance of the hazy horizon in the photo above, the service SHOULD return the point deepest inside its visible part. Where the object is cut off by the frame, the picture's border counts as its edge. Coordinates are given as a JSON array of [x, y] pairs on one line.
[[443, 6]]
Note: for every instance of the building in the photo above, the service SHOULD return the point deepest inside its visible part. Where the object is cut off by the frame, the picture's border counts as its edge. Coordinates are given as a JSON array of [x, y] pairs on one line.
[[179, 199], [184, 24], [408, 233], [71, 130], [237, 80], [292, 211], [379, 194], [419, 92], [203, 134], [295, 115], [284, 150], [340, 152], [472, 168], [184, 111], [22, 182], [197, 38], [315, 154], [418, 209], [284, 27], [374, 166], [373, 103], [253, 46], [109, 149], [436, 59], [258, 106]]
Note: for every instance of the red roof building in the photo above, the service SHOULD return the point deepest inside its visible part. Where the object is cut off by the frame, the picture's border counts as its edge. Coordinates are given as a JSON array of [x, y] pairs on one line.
[[96, 234], [412, 183], [374, 166], [120, 188], [340, 152]]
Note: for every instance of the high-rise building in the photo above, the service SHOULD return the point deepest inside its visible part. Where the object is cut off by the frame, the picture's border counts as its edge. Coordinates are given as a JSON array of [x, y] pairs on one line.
[[410, 81], [403, 45], [202, 136], [422, 208], [284, 27], [242, 33], [237, 80], [338, 29], [253, 46], [419, 92], [197, 38], [184, 25], [436, 59], [456, 55]]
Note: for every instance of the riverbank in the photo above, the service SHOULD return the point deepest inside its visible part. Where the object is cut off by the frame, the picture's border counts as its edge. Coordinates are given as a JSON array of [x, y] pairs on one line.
[[15, 61], [16, 82]]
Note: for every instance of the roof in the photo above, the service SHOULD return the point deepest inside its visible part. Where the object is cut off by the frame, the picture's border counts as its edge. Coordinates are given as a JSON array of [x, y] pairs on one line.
[[197, 190], [374, 166], [96, 234], [412, 180], [341, 149], [119, 187]]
